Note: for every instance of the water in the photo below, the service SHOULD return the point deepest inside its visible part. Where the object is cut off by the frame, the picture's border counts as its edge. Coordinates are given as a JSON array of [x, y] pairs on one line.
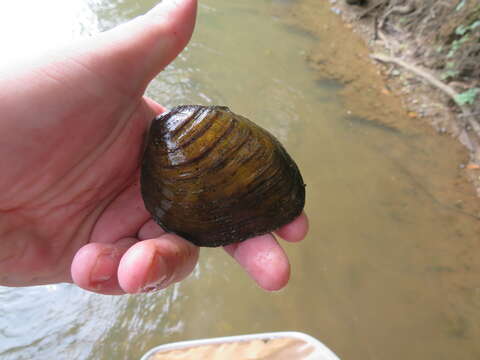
[[388, 270]]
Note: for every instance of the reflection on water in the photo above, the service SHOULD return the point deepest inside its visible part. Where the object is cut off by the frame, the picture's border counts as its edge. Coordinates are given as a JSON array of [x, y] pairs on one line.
[[388, 270]]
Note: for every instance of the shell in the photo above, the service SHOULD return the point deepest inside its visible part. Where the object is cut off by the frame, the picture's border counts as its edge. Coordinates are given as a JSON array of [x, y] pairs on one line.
[[215, 178]]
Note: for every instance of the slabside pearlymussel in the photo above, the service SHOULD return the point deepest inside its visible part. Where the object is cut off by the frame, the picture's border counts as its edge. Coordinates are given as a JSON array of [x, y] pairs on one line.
[[215, 177]]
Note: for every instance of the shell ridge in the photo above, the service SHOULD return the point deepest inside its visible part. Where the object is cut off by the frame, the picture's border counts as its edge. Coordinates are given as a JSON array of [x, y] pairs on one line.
[[190, 117], [203, 154], [192, 138], [216, 165], [168, 121]]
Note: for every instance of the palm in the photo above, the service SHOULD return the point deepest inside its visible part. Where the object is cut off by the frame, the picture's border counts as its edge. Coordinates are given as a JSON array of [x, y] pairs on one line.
[[81, 153]]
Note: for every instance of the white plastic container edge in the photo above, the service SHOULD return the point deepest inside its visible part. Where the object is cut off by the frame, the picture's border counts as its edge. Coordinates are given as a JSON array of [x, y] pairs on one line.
[[321, 352]]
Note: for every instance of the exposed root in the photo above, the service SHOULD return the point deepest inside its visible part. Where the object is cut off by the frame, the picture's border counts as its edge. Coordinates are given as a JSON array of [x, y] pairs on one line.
[[432, 80], [418, 71], [396, 9]]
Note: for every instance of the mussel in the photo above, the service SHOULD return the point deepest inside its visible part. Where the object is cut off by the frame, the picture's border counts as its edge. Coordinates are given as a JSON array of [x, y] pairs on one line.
[[215, 177]]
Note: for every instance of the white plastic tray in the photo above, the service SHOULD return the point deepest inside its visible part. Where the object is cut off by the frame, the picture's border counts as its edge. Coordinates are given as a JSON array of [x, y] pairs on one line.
[[320, 352]]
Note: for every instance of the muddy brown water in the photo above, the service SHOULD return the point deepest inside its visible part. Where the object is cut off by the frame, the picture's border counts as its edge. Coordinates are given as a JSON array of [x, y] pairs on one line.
[[390, 267]]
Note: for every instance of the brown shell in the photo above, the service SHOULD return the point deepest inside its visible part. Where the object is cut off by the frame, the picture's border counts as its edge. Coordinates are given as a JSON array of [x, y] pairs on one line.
[[214, 177]]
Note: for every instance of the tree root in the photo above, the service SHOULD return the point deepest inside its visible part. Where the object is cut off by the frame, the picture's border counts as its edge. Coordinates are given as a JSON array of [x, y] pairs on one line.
[[432, 80], [395, 9], [417, 71]]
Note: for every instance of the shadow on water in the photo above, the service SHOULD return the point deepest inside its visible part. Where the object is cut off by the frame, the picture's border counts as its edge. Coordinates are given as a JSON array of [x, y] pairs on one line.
[[296, 31], [357, 121], [330, 84]]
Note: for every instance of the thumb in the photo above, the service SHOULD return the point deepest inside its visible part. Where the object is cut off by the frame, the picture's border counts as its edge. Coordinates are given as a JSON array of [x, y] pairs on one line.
[[132, 54]]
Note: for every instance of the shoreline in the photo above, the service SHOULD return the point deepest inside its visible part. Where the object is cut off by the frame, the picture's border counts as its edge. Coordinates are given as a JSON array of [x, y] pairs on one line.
[[383, 94], [422, 92]]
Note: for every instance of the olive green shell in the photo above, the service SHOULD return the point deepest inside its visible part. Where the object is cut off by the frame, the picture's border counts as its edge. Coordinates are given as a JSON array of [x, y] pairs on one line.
[[215, 178]]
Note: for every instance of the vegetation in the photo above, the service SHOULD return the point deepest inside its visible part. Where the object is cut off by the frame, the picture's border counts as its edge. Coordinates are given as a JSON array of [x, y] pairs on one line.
[[444, 37]]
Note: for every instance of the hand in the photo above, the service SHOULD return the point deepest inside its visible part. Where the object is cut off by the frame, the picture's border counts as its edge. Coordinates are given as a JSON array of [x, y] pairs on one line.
[[72, 129]]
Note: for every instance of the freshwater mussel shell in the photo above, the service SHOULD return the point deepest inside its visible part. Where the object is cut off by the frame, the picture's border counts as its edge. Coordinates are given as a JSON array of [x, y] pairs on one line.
[[215, 177]]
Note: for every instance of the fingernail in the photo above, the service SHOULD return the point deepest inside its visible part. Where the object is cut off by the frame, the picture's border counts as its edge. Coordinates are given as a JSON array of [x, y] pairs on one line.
[[155, 286], [158, 275], [102, 270]]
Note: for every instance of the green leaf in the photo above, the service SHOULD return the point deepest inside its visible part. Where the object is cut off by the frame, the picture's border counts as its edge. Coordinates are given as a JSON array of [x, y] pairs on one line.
[[449, 74], [460, 5], [450, 64], [464, 39], [461, 30], [467, 97]]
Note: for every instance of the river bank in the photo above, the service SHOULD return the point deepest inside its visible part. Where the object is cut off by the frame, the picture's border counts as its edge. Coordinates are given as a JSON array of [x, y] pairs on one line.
[[429, 54], [412, 76], [386, 98]]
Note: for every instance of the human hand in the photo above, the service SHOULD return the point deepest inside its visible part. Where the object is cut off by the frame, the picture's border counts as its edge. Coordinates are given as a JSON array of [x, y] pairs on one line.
[[72, 130]]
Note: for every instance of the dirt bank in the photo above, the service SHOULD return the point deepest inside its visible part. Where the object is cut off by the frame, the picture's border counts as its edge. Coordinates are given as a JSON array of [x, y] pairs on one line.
[[430, 51], [434, 47], [427, 57]]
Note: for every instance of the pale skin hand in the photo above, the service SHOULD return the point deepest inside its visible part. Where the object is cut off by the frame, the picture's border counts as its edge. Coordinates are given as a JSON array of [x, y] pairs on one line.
[[72, 131]]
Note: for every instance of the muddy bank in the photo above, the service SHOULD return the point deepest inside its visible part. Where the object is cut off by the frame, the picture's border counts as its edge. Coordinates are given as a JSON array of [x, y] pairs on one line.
[[431, 54], [384, 94], [427, 55]]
